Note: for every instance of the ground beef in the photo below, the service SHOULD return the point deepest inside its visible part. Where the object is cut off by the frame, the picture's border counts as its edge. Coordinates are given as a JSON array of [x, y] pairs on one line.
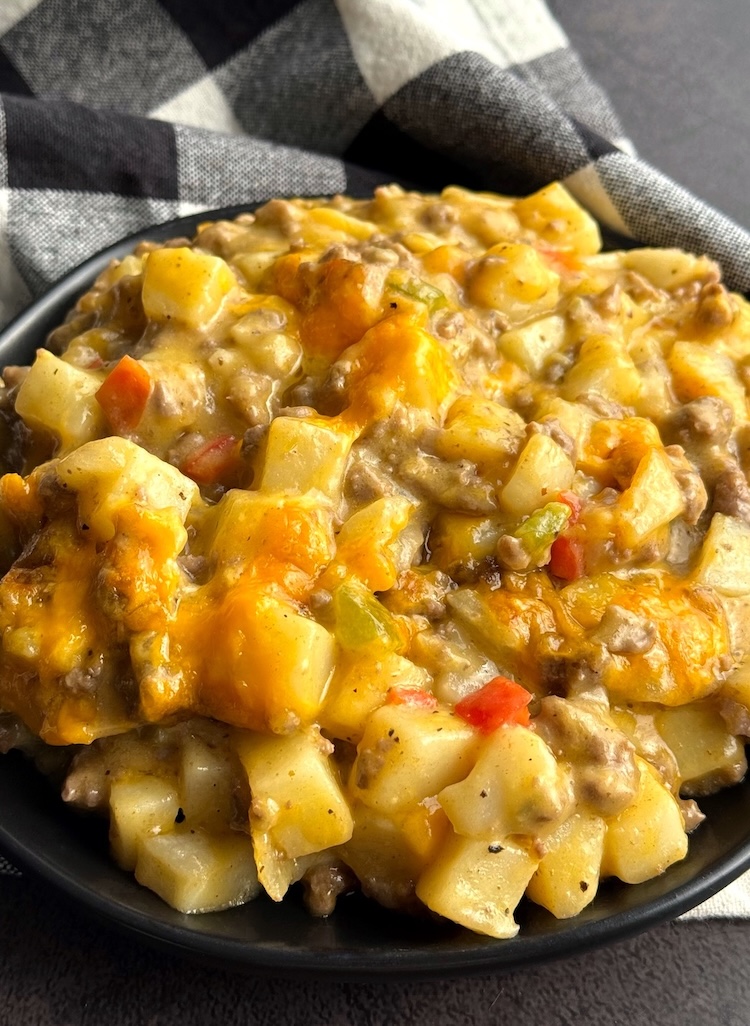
[[705, 419], [456, 485], [731, 493], [323, 884], [624, 632], [551, 426], [715, 306], [511, 554], [603, 759]]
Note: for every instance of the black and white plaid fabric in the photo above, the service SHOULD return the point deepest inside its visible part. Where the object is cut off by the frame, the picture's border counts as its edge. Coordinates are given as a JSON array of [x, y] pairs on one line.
[[115, 117], [118, 116]]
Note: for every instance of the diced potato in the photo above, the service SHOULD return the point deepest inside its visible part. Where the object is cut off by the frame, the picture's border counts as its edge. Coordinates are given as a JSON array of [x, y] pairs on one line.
[[111, 473], [503, 624], [532, 344], [185, 285], [737, 612], [255, 266], [360, 686], [140, 806], [481, 431], [542, 471], [515, 787], [303, 455], [263, 665], [59, 397], [736, 687], [369, 544], [270, 352], [603, 366], [708, 756], [398, 361], [725, 556], [655, 398], [653, 500], [127, 267], [183, 386], [424, 243], [205, 785], [513, 277], [667, 268], [408, 754], [196, 872], [457, 539], [446, 260], [575, 418], [24, 643], [699, 370], [298, 807], [249, 525], [489, 217], [648, 836], [568, 875], [559, 220], [478, 884], [388, 853], [345, 224]]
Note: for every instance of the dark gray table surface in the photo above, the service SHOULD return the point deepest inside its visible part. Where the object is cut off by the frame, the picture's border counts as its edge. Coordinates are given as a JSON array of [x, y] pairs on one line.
[[677, 72]]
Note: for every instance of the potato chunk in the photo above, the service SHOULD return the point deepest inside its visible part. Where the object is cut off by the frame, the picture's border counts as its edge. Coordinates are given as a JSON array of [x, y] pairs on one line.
[[263, 665], [708, 756], [725, 556], [481, 431], [516, 787], [59, 397], [568, 875], [185, 285], [298, 807], [369, 545], [603, 366], [667, 268], [141, 806], [409, 754], [248, 528], [110, 474], [559, 220], [652, 501], [478, 884], [699, 370], [360, 685], [205, 785], [513, 278], [197, 872], [543, 470], [647, 837], [531, 345], [303, 455], [389, 853]]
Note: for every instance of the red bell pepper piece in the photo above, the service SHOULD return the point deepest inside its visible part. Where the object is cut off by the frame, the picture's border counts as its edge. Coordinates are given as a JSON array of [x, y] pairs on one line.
[[124, 393], [418, 698], [572, 501], [213, 461], [500, 701], [567, 558]]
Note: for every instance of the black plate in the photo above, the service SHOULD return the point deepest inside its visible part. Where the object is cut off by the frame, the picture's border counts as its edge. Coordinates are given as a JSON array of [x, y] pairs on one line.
[[360, 939]]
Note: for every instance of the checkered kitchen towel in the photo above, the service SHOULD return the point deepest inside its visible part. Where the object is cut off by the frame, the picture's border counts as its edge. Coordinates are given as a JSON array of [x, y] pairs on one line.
[[117, 116]]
